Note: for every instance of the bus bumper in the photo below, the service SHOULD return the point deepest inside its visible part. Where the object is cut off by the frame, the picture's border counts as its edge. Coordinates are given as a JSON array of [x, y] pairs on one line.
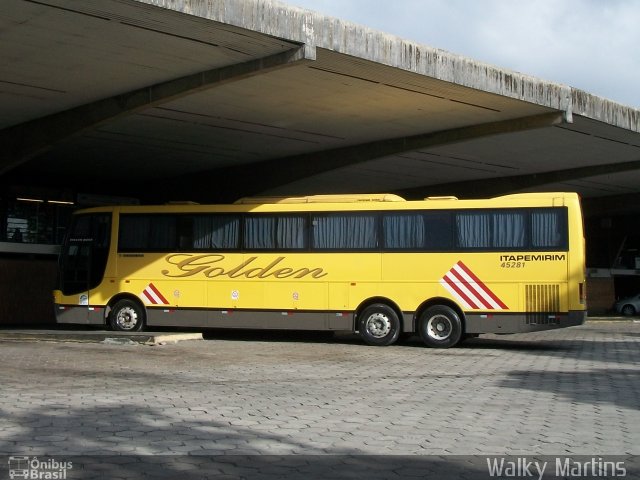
[[70, 314], [79, 314], [522, 323]]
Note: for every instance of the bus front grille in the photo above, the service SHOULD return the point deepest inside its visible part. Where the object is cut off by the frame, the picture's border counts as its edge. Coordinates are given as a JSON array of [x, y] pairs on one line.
[[541, 301]]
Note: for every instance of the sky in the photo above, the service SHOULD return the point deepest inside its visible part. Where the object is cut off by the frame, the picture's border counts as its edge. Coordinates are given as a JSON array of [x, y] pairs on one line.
[[593, 45]]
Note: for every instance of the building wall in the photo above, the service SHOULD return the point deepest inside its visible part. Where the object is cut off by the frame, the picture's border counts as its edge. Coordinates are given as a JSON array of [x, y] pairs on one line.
[[26, 286], [600, 295]]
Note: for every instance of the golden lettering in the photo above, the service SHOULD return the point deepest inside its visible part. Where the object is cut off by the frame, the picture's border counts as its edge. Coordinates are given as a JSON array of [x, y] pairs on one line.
[[188, 265], [214, 272], [191, 265], [264, 273], [283, 273], [233, 273], [315, 273]]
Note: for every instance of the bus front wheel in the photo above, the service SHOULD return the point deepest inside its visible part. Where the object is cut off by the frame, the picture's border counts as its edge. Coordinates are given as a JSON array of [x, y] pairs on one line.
[[379, 325], [440, 327], [126, 316]]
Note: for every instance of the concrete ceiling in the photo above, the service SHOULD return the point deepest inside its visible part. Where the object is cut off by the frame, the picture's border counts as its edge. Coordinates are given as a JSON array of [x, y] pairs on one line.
[[216, 100]]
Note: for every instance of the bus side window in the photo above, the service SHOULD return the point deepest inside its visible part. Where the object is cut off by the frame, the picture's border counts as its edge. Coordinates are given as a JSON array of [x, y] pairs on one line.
[[473, 229], [133, 233], [275, 232], [549, 228], [502, 229], [438, 232], [509, 230], [185, 232], [291, 233], [146, 233], [345, 232], [259, 232], [216, 232], [403, 231], [163, 233]]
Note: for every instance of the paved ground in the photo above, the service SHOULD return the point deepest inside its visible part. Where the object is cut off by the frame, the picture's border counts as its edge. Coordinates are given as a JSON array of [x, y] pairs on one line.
[[569, 392]]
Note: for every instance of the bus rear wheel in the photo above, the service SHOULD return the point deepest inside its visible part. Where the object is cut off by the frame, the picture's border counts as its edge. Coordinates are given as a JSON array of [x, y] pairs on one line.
[[379, 325], [126, 316], [440, 327]]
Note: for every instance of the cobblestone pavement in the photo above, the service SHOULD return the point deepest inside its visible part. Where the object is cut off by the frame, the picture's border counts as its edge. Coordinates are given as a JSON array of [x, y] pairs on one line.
[[574, 391]]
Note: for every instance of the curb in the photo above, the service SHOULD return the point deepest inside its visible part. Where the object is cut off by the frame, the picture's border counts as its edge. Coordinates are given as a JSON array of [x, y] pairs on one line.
[[107, 338], [612, 319]]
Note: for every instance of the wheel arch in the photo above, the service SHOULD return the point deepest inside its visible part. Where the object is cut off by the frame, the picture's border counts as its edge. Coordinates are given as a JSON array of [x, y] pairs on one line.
[[439, 301], [125, 296], [373, 300]]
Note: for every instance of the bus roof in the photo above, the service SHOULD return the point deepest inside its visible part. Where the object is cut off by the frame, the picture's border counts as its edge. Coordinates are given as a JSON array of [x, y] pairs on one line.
[[360, 197], [348, 202]]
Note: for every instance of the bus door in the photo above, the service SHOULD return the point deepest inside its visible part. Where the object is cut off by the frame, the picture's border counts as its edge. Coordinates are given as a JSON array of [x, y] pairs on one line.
[[83, 261]]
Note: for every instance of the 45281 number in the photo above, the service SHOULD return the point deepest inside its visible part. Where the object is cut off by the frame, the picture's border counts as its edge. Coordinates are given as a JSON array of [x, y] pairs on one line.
[[512, 264]]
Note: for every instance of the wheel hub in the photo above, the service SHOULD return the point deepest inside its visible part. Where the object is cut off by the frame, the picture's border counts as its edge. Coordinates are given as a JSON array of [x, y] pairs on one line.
[[378, 325], [439, 327], [127, 318]]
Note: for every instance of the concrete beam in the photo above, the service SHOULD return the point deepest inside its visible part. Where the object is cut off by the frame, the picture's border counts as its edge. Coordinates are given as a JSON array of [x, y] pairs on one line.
[[24, 141], [260, 176], [625, 204], [280, 20], [492, 187]]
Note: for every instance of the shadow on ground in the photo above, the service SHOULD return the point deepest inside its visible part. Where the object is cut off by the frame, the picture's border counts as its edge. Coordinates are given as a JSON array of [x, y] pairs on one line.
[[112, 455]]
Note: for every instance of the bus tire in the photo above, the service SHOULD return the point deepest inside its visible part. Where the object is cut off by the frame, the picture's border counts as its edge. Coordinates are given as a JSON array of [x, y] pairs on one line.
[[440, 327], [379, 325], [126, 316]]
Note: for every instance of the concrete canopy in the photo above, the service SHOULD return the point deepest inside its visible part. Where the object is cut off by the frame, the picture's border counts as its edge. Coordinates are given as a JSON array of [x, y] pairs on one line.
[[215, 100]]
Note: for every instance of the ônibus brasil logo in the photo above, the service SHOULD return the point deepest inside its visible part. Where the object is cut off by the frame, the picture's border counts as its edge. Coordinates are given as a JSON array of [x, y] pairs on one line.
[[34, 468]]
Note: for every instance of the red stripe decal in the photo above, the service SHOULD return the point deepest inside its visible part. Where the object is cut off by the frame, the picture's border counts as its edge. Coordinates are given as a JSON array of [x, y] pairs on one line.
[[149, 297], [477, 295], [157, 292], [481, 284], [460, 292]]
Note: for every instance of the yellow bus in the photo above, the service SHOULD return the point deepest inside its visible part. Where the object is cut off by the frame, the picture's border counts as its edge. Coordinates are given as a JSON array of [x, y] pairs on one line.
[[375, 264]]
